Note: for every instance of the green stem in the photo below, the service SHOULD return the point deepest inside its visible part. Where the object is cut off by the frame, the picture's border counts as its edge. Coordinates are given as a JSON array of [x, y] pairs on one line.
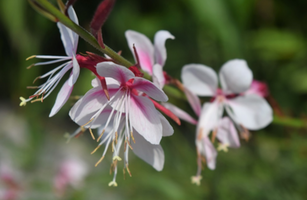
[[291, 122], [82, 32]]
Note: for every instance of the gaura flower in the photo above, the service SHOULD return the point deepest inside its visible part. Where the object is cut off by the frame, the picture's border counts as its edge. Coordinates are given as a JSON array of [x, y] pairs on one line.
[[70, 42], [151, 57], [130, 117], [246, 111]]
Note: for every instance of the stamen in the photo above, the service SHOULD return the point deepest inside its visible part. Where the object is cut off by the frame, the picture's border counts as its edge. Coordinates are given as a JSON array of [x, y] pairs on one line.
[[87, 122], [128, 170], [36, 100], [96, 149], [116, 158], [116, 135], [36, 79], [29, 67], [213, 135], [91, 133], [32, 87], [196, 180], [113, 183], [99, 161], [100, 135], [131, 133], [129, 145], [223, 147], [30, 57], [124, 173], [23, 101], [200, 134]]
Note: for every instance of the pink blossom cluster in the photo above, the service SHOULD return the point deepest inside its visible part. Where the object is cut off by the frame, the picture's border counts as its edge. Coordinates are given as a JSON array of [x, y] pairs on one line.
[[127, 109]]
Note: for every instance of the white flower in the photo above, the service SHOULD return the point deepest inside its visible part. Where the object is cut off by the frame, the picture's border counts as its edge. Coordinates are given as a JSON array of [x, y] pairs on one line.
[[246, 110], [70, 42]]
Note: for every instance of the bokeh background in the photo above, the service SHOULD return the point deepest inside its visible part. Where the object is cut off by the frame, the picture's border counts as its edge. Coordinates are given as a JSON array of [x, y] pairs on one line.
[[270, 35]]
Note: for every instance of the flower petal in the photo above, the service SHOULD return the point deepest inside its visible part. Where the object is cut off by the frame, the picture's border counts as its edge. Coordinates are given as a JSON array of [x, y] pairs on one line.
[[75, 71], [200, 79], [206, 148], [158, 76], [86, 107], [180, 113], [115, 71], [193, 100], [227, 133], [235, 76], [160, 50], [145, 119], [166, 127], [62, 97], [75, 37], [152, 154], [251, 111], [144, 48], [209, 119], [149, 88]]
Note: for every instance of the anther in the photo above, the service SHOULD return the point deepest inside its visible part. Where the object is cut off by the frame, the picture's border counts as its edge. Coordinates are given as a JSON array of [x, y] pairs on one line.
[[29, 67], [87, 122], [128, 170], [213, 135], [131, 133], [100, 135], [92, 133], [30, 57], [36, 100], [99, 161], [36, 79], [96, 149]]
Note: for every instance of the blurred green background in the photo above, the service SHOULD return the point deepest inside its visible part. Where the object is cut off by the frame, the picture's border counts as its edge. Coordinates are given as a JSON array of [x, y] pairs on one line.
[[270, 35]]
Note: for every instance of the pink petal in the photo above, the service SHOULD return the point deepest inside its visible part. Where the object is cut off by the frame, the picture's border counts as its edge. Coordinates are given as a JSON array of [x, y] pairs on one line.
[[199, 79], [160, 50], [152, 154], [227, 133], [158, 76], [115, 71], [166, 127], [75, 37], [210, 153], [251, 111], [149, 88], [87, 106], [145, 119], [180, 113], [62, 97], [144, 48], [235, 76], [193, 100], [259, 88]]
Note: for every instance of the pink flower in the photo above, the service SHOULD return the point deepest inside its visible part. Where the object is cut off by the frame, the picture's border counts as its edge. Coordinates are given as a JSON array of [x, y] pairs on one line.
[[129, 115], [246, 110], [70, 42], [151, 57], [71, 172]]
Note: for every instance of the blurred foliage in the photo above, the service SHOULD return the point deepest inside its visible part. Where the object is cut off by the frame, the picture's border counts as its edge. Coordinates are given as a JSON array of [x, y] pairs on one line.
[[270, 35]]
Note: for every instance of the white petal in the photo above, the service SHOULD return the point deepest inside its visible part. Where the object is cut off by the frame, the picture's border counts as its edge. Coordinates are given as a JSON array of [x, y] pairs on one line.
[[235, 76], [206, 148], [251, 111], [160, 50], [227, 133], [193, 100], [166, 127], [87, 106], [180, 113], [145, 119], [152, 154], [75, 71], [144, 48], [200, 79], [115, 71], [149, 88], [209, 119], [62, 97], [158, 76], [72, 15]]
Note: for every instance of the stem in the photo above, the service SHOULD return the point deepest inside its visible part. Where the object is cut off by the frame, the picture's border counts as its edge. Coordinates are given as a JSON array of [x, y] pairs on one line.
[[291, 122], [82, 32]]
